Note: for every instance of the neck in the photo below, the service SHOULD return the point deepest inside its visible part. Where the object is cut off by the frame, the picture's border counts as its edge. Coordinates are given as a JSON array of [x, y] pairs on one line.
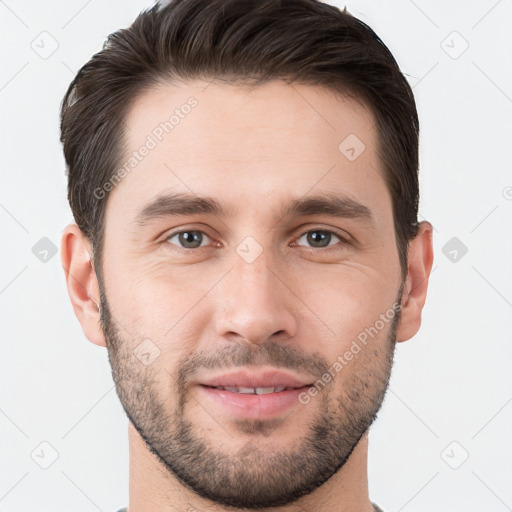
[[153, 487]]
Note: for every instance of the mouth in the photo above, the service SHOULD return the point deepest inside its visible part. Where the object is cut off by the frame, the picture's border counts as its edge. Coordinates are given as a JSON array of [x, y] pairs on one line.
[[255, 391], [251, 403]]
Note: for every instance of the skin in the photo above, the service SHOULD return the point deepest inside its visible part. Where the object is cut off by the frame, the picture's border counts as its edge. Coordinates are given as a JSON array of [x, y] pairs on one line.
[[297, 306]]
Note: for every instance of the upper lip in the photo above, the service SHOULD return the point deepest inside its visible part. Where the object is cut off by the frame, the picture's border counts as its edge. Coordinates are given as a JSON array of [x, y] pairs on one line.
[[254, 379]]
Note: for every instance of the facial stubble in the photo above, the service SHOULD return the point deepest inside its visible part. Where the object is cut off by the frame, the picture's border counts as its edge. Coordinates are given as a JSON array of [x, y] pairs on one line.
[[253, 477]]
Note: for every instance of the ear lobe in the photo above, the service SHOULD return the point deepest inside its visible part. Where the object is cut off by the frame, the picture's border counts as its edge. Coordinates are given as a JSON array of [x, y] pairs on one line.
[[419, 266], [82, 283]]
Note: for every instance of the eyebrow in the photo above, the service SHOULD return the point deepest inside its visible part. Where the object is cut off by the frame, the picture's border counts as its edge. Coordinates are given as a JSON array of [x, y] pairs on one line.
[[179, 204]]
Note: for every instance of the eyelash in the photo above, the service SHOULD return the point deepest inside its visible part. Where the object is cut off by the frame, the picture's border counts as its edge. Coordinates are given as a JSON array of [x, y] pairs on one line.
[[342, 239]]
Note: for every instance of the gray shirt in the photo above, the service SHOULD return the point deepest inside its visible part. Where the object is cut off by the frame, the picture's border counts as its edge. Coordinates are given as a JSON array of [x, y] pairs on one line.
[[376, 507]]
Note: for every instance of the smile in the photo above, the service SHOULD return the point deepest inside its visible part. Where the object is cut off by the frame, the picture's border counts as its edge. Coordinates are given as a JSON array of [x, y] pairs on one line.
[[252, 391]]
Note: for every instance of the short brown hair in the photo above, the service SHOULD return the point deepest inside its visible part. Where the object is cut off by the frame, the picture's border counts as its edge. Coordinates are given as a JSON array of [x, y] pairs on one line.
[[254, 41]]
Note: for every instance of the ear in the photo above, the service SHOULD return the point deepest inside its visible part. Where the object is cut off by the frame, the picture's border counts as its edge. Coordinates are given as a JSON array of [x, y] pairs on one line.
[[82, 282], [420, 258]]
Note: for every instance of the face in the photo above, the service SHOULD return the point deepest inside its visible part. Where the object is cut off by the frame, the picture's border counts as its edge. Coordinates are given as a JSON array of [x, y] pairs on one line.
[[248, 250]]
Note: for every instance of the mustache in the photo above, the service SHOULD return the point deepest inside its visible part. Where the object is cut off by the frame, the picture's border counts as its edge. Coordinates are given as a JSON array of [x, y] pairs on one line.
[[240, 355]]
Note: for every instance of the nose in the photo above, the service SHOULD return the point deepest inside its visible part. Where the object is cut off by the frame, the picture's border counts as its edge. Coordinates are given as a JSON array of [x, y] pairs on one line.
[[255, 303]]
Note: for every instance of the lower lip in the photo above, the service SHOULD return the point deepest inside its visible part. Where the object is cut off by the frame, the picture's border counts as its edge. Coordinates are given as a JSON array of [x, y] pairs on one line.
[[252, 406]]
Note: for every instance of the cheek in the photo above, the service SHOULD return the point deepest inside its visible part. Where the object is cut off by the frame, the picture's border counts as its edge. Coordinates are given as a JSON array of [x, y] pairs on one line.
[[146, 286], [348, 302], [162, 305]]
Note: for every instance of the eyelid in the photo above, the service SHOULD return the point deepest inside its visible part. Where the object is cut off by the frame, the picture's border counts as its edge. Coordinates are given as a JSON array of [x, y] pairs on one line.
[[344, 237], [165, 238]]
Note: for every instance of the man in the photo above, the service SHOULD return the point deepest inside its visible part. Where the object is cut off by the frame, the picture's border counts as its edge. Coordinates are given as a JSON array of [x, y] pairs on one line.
[[243, 176]]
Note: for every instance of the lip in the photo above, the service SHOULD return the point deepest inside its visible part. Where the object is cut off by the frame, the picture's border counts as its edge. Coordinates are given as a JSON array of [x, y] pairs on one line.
[[251, 406], [260, 379]]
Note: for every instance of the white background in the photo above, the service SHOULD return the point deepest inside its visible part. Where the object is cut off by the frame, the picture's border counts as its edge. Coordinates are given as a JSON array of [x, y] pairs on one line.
[[451, 384]]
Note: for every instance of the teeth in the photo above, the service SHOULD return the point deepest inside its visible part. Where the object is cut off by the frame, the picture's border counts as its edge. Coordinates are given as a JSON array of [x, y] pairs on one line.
[[247, 391], [252, 391], [264, 391]]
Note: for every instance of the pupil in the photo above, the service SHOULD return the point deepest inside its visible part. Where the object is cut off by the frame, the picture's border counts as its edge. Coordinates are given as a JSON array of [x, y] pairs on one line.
[[315, 238], [190, 237]]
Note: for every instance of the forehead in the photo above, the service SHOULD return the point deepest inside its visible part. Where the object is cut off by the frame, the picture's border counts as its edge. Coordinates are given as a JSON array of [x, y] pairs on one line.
[[243, 144]]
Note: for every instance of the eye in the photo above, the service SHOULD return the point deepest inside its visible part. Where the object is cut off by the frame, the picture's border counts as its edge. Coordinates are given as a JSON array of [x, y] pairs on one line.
[[320, 238], [194, 239], [188, 239]]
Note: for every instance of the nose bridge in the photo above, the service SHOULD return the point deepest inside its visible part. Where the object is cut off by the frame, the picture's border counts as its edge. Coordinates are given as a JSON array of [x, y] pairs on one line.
[[254, 303]]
